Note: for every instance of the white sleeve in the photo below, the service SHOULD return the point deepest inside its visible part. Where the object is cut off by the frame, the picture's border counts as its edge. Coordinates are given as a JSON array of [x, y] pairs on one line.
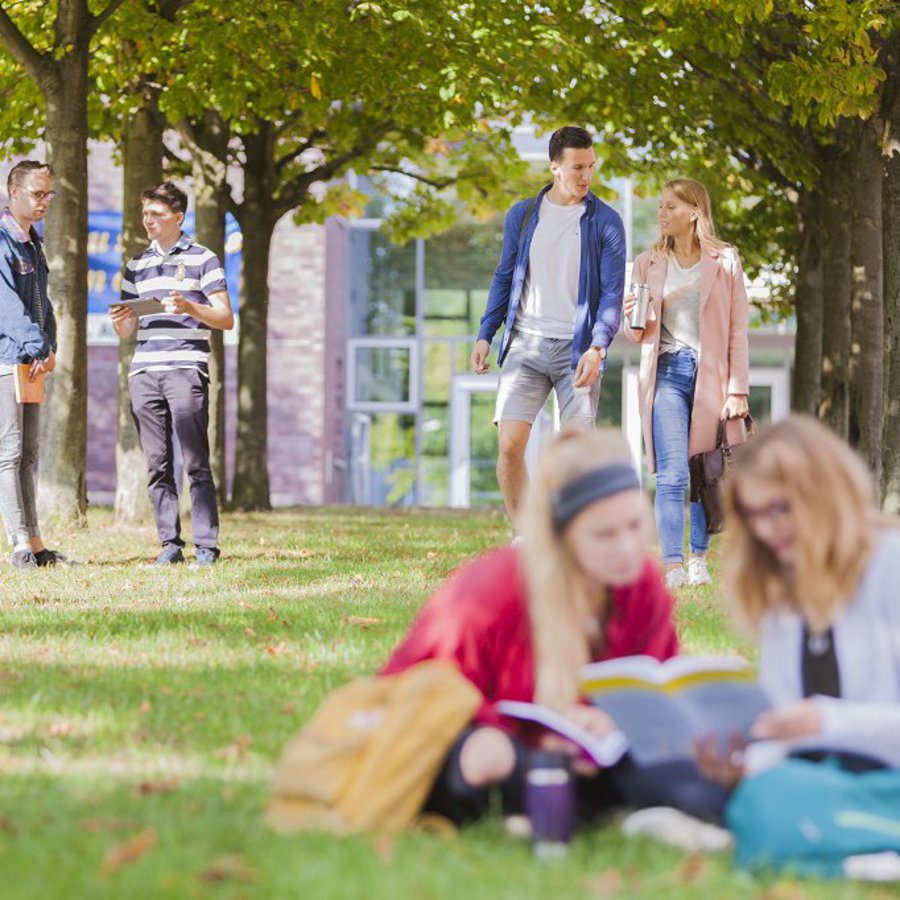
[[873, 728]]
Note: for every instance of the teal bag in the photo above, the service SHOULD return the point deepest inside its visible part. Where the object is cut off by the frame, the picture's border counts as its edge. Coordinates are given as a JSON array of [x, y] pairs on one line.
[[806, 817]]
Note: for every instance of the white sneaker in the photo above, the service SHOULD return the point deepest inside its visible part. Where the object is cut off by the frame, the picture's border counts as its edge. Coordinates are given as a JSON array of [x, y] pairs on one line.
[[678, 829], [676, 578], [873, 866], [698, 573]]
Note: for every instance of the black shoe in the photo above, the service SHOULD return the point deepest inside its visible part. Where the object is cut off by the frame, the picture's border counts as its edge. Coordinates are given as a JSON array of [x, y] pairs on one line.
[[24, 559], [170, 556], [47, 557], [206, 556]]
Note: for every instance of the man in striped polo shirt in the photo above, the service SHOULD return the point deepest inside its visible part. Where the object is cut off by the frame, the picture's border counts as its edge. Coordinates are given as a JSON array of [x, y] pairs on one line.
[[169, 377]]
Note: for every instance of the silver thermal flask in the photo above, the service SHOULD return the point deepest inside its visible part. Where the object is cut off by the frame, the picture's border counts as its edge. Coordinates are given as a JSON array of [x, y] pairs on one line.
[[638, 317]]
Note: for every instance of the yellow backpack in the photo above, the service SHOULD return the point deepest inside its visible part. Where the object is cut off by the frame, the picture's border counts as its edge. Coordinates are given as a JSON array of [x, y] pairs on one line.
[[368, 757]]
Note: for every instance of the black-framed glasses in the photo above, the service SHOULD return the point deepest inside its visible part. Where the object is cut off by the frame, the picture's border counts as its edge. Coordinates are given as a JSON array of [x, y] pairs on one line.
[[41, 195], [777, 511]]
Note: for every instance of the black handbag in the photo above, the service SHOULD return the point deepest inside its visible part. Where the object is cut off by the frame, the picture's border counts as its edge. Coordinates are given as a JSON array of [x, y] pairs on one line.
[[709, 469]]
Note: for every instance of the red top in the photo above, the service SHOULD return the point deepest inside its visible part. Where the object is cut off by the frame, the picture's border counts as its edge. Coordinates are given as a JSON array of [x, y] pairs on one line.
[[480, 619]]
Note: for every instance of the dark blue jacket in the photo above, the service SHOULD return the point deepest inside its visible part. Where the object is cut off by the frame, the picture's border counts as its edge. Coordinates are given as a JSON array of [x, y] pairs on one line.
[[601, 282], [23, 285]]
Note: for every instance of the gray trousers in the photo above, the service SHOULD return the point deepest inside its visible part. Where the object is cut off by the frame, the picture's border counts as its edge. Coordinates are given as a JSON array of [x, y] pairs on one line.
[[18, 454], [165, 404]]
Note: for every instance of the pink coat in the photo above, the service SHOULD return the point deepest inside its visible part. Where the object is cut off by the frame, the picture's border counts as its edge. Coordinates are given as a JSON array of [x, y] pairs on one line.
[[724, 366]]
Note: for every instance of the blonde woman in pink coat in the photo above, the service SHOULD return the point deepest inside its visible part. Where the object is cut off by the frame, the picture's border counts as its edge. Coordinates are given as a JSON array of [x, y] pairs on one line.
[[694, 361]]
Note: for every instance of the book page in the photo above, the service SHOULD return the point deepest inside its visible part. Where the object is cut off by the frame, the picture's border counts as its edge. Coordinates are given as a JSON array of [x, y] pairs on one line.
[[682, 699], [670, 673], [722, 708], [605, 751], [653, 723]]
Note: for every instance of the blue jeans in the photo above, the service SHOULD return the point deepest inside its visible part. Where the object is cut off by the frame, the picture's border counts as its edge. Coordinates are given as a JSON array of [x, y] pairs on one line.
[[676, 375]]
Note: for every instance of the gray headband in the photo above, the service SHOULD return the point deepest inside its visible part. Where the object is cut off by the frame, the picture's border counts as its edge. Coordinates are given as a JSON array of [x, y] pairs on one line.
[[573, 497]]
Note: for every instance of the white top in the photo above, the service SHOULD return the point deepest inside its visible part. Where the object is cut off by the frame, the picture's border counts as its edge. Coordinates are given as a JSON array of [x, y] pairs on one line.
[[866, 718], [550, 293], [680, 326]]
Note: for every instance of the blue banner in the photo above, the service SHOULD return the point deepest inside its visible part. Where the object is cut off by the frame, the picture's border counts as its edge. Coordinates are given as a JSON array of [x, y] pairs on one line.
[[105, 258]]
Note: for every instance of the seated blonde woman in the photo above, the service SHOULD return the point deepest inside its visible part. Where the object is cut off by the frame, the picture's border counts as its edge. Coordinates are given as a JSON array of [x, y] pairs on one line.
[[814, 570], [521, 621]]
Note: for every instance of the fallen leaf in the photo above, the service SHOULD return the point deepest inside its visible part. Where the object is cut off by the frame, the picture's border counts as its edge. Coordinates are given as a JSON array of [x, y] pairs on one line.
[[692, 869], [108, 824], [784, 890], [146, 706], [61, 729], [161, 786], [383, 845], [362, 621], [609, 883], [229, 868], [249, 632], [235, 751], [13, 734], [129, 851], [287, 709]]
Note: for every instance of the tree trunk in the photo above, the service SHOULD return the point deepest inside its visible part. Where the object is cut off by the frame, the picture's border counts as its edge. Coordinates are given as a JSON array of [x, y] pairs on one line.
[[142, 154], [867, 311], [251, 476], [211, 189], [62, 495], [807, 377], [834, 403], [890, 211]]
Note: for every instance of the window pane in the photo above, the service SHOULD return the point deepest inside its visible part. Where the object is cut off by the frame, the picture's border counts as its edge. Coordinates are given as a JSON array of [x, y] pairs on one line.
[[382, 285], [382, 375], [459, 266], [484, 490], [392, 454], [760, 400], [609, 412], [438, 372]]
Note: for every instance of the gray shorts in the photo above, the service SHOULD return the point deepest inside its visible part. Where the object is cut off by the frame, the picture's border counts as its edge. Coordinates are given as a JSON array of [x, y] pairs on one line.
[[533, 367]]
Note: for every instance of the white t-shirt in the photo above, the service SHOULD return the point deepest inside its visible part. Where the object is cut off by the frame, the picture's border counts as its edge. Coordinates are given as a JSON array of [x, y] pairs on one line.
[[681, 308], [550, 293]]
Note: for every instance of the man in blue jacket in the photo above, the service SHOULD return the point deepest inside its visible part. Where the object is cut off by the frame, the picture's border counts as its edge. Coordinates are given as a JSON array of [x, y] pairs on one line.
[[558, 288], [27, 337]]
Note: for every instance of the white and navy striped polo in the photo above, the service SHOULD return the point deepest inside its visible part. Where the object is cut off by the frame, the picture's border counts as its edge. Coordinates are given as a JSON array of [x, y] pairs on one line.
[[173, 341]]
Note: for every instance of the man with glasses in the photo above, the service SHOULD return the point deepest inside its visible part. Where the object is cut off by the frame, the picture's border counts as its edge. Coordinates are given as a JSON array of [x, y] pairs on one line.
[[27, 337]]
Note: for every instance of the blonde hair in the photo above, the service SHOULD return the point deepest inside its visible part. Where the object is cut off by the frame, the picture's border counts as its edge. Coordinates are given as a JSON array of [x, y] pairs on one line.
[[558, 603], [694, 194], [831, 499]]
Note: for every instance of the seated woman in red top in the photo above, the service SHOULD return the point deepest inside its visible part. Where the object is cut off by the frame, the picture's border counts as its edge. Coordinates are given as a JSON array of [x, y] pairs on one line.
[[521, 621]]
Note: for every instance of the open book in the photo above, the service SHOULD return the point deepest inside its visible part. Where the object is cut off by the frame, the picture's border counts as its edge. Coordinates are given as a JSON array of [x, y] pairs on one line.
[[662, 707], [28, 391], [143, 307], [605, 751]]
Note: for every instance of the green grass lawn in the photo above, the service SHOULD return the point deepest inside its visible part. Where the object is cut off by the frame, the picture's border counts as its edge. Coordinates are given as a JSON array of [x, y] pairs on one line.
[[142, 712]]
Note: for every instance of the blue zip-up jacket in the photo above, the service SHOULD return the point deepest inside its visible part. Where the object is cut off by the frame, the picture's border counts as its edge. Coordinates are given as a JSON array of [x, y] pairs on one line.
[[23, 284], [601, 281]]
